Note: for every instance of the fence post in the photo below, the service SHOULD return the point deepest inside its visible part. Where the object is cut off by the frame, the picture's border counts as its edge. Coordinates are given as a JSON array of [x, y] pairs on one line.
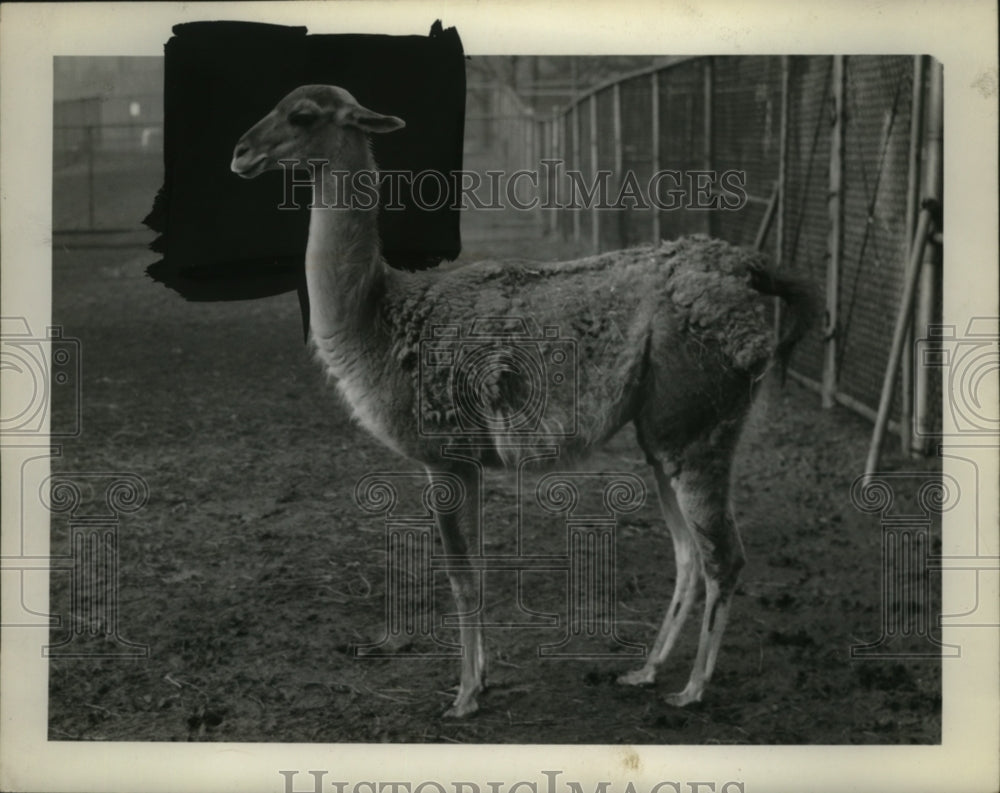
[[90, 177], [577, 209], [835, 206], [655, 119], [595, 223], [555, 153], [537, 152], [779, 257], [932, 178], [616, 115], [912, 203], [528, 126], [707, 154]]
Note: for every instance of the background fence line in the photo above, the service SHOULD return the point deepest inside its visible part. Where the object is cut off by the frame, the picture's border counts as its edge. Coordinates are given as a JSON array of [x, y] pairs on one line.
[[108, 160], [833, 152]]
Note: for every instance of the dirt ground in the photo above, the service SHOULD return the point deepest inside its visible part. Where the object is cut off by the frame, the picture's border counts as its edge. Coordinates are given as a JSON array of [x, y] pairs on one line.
[[252, 574]]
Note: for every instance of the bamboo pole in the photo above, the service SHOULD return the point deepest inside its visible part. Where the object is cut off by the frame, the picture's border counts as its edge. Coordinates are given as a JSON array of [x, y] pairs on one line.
[[835, 206], [912, 201], [933, 182]]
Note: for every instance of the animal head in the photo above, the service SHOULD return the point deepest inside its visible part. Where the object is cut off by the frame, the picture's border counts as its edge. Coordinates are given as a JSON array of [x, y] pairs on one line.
[[319, 122]]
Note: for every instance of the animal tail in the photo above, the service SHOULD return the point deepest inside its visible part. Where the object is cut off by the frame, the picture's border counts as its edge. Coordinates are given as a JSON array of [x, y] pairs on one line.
[[802, 310]]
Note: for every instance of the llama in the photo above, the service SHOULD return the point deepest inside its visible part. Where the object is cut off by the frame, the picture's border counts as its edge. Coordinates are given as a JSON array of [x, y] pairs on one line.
[[671, 338]]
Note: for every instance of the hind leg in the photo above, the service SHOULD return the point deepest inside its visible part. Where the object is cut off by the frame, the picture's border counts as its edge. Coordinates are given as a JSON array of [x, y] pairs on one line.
[[687, 560], [703, 497]]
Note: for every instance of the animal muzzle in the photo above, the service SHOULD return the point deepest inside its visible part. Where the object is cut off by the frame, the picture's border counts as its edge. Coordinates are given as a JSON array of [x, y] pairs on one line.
[[247, 162]]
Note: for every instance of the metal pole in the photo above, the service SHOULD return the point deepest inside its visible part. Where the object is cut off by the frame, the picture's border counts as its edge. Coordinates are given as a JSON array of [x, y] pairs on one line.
[[577, 209], [553, 183], [708, 91], [655, 118], [765, 223], [540, 141], [595, 218], [90, 178], [912, 201], [835, 206], [529, 143], [779, 258], [619, 155]]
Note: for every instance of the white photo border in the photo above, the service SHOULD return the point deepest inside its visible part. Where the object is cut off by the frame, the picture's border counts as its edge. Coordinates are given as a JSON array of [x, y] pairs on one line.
[[961, 35]]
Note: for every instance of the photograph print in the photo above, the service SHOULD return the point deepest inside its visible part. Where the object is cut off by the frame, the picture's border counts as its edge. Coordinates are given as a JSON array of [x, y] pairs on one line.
[[396, 393]]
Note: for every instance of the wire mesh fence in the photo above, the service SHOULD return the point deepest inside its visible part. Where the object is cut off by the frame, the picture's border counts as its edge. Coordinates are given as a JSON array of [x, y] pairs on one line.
[[767, 151], [502, 138], [815, 159], [107, 162], [876, 140]]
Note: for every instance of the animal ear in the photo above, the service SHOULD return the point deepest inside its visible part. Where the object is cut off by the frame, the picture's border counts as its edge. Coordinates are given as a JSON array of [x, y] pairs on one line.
[[368, 120]]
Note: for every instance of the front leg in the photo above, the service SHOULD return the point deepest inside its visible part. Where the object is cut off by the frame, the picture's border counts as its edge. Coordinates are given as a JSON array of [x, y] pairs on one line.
[[467, 595]]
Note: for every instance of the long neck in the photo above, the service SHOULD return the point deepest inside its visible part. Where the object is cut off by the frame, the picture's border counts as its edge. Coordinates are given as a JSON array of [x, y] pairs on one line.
[[345, 273]]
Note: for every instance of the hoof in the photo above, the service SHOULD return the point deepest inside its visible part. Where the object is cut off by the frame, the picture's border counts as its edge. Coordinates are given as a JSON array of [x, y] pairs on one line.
[[682, 698], [637, 677], [461, 710]]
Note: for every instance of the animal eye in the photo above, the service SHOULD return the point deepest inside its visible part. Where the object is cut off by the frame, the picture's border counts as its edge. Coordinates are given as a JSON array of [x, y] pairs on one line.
[[301, 118]]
